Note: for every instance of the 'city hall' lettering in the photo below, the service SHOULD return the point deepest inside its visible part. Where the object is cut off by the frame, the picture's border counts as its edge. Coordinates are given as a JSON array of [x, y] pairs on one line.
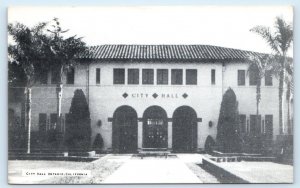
[[159, 95]]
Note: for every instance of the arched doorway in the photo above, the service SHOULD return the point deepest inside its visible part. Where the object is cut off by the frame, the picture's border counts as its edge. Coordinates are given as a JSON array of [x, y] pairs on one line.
[[155, 128], [125, 130], [184, 129]]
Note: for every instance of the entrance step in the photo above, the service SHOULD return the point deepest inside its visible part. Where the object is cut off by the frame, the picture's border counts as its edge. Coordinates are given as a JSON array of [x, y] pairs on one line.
[[143, 152]]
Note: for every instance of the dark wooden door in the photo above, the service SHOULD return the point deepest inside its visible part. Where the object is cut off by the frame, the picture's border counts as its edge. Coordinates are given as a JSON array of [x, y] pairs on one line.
[[155, 134], [184, 130], [128, 138], [125, 130]]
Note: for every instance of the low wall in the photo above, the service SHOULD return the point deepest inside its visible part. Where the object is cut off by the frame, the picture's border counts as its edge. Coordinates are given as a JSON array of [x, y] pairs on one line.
[[223, 175]]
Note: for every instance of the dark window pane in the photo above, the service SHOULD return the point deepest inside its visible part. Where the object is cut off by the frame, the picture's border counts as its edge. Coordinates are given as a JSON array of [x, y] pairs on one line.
[[148, 76], [119, 76], [241, 77], [255, 125], [243, 123], [269, 126], [97, 76], [133, 76], [55, 76], [191, 76], [70, 76], [253, 76], [53, 121], [176, 77], [213, 76], [162, 76], [268, 78]]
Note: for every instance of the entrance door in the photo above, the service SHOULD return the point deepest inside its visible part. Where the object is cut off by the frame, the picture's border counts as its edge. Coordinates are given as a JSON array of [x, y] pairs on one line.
[[184, 129], [125, 130], [155, 129]]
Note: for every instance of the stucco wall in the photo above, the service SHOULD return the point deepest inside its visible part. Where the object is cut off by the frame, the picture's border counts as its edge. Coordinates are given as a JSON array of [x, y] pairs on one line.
[[204, 98]]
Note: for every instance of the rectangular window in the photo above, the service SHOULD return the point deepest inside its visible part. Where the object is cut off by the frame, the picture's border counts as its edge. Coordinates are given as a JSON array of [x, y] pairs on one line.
[[162, 76], [70, 76], [253, 77], [42, 123], [133, 76], [55, 76], [268, 78], [148, 76], [243, 123], [255, 125], [119, 76], [44, 77], [241, 77], [97, 76], [269, 126], [191, 76], [176, 77], [213, 76], [53, 121]]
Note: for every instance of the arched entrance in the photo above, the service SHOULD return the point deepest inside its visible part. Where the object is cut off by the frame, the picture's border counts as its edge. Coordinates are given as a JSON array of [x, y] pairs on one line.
[[155, 128], [124, 130], [184, 129]]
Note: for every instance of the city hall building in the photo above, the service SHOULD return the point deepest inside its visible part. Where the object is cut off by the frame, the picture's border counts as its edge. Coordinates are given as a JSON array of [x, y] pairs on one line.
[[160, 96]]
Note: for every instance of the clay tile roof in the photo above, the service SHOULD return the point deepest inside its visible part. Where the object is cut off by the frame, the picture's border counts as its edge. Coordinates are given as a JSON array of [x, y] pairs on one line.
[[165, 52]]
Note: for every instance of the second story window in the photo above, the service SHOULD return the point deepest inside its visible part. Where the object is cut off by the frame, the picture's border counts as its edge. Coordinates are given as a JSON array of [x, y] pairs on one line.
[[241, 77], [133, 76], [191, 76], [162, 76], [119, 76], [70, 76], [213, 76], [268, 78], [253, 75], [148, 76], [55, 76], [176, 77], [97, 75]]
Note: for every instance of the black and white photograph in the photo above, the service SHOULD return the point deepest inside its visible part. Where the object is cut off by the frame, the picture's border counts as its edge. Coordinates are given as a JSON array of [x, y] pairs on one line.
[[150, 94]]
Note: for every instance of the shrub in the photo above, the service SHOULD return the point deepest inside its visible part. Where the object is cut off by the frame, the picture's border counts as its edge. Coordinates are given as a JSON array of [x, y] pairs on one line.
[[98, 143], [228, 139], [209, 144], [78, 123]]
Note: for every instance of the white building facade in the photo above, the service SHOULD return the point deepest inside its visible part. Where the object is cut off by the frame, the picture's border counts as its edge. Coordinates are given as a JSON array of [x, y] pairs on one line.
[[160, 96]]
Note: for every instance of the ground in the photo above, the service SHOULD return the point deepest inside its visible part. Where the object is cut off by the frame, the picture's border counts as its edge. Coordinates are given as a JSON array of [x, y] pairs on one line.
[[127, 168]]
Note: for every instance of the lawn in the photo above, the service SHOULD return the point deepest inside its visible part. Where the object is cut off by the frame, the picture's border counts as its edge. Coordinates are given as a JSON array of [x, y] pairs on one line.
[[100, 169]]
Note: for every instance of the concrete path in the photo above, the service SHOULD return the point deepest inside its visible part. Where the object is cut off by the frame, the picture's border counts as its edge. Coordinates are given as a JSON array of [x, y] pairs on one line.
[[153, 170]]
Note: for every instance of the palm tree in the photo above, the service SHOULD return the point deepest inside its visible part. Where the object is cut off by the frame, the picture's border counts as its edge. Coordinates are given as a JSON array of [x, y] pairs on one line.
[[280, 41], [289, 79], [62, 53], [260, 64], [26, 51]]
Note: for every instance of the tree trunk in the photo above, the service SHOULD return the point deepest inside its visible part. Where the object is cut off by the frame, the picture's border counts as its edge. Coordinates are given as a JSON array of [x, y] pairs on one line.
[[28, 101], [281, 96], [59, 93]]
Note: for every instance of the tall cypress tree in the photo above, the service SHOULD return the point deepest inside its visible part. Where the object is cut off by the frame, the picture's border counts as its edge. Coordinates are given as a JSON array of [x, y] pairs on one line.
[[78, 123], [228, 139]]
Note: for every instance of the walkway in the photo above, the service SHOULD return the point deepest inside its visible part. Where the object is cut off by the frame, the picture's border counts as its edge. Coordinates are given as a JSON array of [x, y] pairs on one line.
[[153, 170]]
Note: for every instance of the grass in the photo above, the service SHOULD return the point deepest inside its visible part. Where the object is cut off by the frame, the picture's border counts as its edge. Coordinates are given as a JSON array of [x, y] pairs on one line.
[[100, 169]]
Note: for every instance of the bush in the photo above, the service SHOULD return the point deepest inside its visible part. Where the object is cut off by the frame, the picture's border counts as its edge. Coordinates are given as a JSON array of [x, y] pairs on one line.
[[228, 139], [209, 144], [78, 123], [98, 143]]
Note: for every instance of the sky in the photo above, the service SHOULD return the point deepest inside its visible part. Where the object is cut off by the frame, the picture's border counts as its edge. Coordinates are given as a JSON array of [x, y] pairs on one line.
[[226, 26]]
